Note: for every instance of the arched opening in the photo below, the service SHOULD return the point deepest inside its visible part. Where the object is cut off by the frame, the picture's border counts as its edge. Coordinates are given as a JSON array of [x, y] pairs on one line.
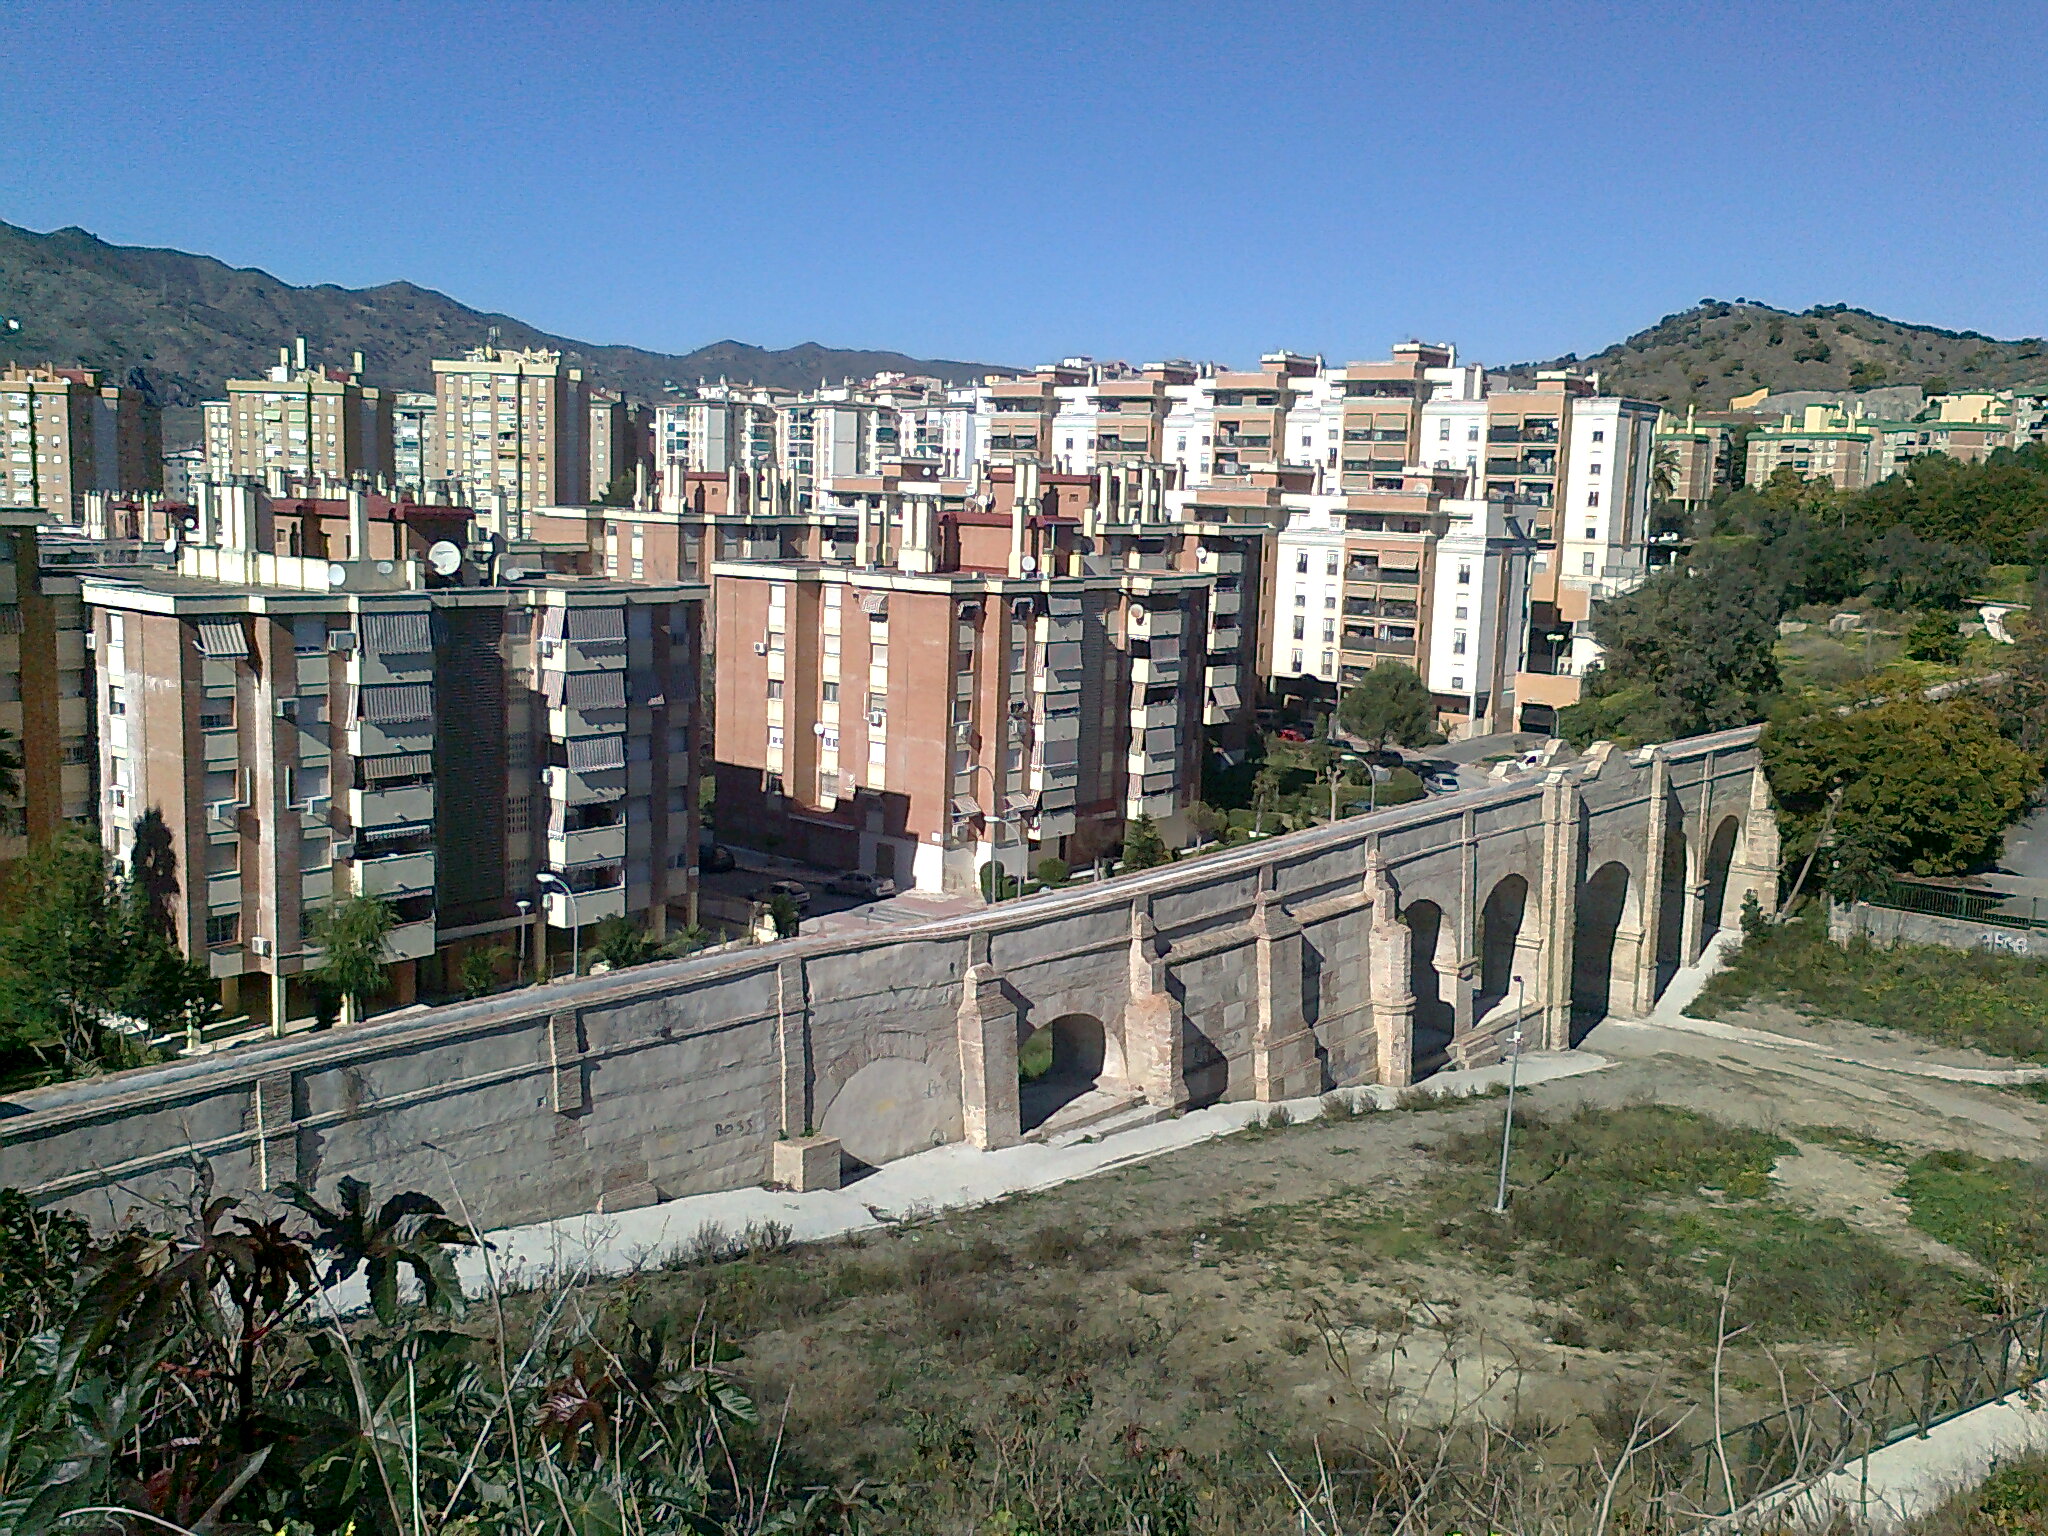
[[1502, 922], [1602, 901], [1714, 899], [1435, 1020], [1063, 1061], [1671, 906]]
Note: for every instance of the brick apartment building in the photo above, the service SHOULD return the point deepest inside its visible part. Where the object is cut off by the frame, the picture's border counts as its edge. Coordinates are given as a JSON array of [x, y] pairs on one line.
[[67, 431]]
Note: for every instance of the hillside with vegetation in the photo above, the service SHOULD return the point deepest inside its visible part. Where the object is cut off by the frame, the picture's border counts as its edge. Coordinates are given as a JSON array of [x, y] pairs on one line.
[[1716, 351], [189, 322]]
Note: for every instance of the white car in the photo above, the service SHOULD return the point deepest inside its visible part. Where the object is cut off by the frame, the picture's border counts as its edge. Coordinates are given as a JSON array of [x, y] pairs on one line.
[[1442, 783]]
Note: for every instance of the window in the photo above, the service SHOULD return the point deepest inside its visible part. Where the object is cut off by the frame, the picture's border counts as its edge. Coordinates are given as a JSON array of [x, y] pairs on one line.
[[1300, 598], [1458, 642], [1472, 433], [1592, 498], [831, 693], [1330, 563], [1592, 534], [1586, 563], [117, 699], [1301, 563], [774, 738], [1300, 625], [1329, 631], [223, 928], [315, 852], [774, 687], [1458, 682], [1464, 573], [1593, 469], [309, 784], [828, 738], [1443, 432], [1599, 435]]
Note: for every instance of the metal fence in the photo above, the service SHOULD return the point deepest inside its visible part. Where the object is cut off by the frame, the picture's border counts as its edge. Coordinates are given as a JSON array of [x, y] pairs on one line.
[[1995, 908], [1808, 1440]]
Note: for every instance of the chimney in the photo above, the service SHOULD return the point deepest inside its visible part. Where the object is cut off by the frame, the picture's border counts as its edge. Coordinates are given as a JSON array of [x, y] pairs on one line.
[[358, 524], [356, 363], [284, 358], [915, 552], [299, 352], [203, 515], [640, 501], [1023, 492]]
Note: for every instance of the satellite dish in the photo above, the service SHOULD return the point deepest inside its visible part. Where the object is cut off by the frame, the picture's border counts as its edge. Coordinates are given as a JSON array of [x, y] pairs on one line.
[[515, 573], [1029, 564], [445, 558], [383, 567], [171, 545], [336, 575]]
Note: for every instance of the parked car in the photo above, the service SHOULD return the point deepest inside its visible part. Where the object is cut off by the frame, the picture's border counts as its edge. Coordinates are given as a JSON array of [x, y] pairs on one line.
[[855, 882], [798, 893], [1293, 733], [715, 858], [1441, 783]]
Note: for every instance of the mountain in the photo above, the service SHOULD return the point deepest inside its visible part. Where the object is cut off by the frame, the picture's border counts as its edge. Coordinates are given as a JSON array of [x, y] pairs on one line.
[[190, 322], [1713, 351]]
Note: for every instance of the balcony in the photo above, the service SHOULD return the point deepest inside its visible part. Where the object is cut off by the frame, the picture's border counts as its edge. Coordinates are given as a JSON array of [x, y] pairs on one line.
[[410, 941], [403, 806], [591, 906], [221, 747], [1151, 717], [587, 845], [395, 874]]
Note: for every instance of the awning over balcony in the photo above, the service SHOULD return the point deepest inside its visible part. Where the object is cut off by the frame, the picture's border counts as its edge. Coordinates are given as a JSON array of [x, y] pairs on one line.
[[1224, 697], [223, 638], [398, 765], [396, 703], [587, 624], [587, 753], [396, 634], [393, 834], [595, 690]]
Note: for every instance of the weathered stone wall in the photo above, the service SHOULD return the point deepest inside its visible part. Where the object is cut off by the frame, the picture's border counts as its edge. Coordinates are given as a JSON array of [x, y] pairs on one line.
[[1886, 924], [1277, 970]]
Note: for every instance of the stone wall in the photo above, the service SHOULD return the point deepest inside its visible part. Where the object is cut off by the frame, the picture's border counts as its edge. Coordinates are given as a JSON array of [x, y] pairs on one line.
[[1886, 924], [1348, 954]]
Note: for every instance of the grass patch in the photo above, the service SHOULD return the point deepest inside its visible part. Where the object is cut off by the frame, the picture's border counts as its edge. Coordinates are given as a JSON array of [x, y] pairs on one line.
[[1995, 1003], [1996, 1212], [1841, 1139]]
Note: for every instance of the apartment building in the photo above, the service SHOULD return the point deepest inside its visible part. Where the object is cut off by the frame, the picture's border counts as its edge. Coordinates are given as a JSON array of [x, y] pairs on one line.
[[306, 423], [702, 517], [1696, 453], [67, 431], [512, 424], [45, 708], [621, 447], [1421, 576], [1071, 696], [414, 414], [183, 469], [316, 726]]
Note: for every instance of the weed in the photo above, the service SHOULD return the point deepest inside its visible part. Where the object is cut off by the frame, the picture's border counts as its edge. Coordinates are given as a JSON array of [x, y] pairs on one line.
[[1278, 1118], [1854, 1143], [1997, 1212]]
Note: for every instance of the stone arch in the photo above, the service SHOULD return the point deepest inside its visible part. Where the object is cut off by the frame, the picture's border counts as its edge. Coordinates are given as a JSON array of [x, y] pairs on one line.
[[1606, 903], [891, 1107], [1714, 879], [1429, 958], [1508, 942], [1081, 1056]]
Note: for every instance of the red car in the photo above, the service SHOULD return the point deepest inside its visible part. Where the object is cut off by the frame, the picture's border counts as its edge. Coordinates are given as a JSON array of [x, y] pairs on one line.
[[1293, 733]]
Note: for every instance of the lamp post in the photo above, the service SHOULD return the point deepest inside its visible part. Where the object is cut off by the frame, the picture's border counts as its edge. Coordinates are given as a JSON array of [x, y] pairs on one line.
[[525, 921], [549, 877], [996, 819], [1507, 1129]]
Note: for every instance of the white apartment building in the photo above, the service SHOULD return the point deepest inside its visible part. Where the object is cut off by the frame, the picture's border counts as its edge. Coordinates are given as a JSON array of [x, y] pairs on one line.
[[513, 425]]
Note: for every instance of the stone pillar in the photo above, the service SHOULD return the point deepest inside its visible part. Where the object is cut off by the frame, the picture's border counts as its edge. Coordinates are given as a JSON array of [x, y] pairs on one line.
[[1390, 983], [1561, 878], [989, 1116], [1155, 1041], [1643, 991], [1464, 979], [1756, 849], [793, 1050], [1283, 1047]]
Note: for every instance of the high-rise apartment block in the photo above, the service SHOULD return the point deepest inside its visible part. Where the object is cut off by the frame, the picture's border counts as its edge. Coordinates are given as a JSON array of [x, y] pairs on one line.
[[302, 423], [414, 417], [512, 425], [45, 704], [621, 447], [315, 726], [66, 432]]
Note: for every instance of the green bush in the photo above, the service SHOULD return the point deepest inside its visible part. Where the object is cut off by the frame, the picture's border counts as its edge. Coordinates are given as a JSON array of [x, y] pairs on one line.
[[1052, 871]]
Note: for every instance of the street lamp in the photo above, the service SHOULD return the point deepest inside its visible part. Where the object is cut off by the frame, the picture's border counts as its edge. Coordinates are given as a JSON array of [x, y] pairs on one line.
[[525, 910], [549, 877], [996, 819], [1507, 1130]]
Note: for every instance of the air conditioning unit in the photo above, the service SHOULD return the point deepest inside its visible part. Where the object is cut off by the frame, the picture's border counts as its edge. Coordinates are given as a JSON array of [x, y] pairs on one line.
[[963, 730], [1019, 708], [760, 647], [319, 805], [1022, 608], [341, 639], [287, 709], [223, 811], [877, 719], [258, 945], [345, 849]]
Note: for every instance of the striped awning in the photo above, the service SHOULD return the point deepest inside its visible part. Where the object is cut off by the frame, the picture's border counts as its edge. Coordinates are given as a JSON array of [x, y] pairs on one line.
[[396, 634], [10, 618], [1224, 696], [223, 638], [399, 765], [595, 690], [393, 833], [587, 624], [396, 703], [592, 752]]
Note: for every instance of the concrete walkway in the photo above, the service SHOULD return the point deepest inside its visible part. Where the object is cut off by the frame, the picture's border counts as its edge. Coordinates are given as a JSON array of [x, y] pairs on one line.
[[951, 1177]]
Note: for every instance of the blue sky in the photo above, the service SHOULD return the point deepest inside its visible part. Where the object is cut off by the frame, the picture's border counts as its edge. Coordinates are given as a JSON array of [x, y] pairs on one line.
[[1012, 182]]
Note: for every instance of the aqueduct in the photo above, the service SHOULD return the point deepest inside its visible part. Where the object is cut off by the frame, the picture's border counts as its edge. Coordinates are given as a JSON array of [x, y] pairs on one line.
[[1375, 950]]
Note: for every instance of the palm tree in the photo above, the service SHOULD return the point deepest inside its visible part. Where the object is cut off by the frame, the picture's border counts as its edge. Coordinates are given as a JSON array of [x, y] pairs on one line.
[[1664, 473]]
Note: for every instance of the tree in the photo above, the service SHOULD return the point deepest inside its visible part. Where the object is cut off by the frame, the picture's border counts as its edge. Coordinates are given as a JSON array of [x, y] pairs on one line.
[[163, 990], [1391, 706], [353, 933], [1927, 788], [60, 948], [478, 972], [1913, 572], [1052, 871], [1691, 650], [620, 944], [1265, 795], [1144, 848], [783, 913], [1935, 637]]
